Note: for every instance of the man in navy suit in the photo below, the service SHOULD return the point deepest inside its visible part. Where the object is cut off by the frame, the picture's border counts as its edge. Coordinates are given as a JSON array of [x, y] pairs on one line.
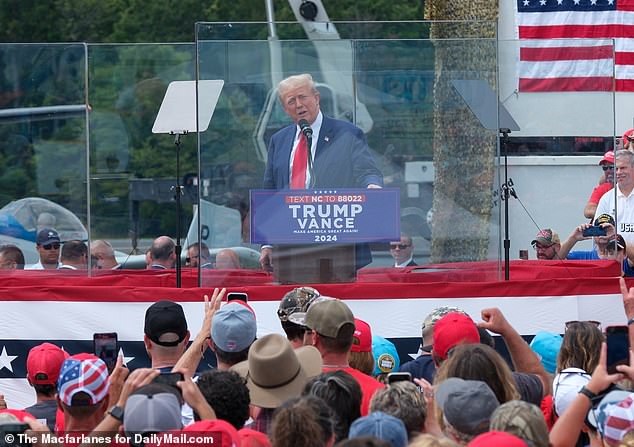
[[339, 154], [403, 251]]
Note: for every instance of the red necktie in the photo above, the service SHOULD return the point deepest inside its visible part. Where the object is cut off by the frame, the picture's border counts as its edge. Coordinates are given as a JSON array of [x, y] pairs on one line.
[[298, 175]]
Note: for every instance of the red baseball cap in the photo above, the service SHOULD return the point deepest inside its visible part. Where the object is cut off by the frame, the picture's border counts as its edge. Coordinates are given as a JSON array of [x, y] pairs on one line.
[[223, 433], [628, 133], [362, 339], [253, 438], [451, 330], [43, 364], [497, 439], [608, 158]]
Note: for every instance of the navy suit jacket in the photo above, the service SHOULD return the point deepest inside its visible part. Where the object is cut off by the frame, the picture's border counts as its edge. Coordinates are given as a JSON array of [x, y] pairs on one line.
[[342, 160]]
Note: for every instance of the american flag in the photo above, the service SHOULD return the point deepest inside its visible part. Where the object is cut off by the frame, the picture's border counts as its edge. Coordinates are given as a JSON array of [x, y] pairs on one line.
[[616, 417], [550, 61]]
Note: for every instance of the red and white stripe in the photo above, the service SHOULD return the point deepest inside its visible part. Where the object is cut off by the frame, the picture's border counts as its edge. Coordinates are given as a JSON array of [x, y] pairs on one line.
[[552, 58]]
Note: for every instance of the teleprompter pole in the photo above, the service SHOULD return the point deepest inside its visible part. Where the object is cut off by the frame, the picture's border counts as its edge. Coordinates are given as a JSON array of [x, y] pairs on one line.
[[178, 191]]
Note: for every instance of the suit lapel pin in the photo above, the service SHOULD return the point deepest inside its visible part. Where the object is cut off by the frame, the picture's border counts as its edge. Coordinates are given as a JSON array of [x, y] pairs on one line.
[[326, 139]]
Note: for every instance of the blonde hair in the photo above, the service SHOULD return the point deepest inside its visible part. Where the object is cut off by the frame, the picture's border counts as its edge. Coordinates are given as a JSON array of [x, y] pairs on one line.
[[296, 81], [427, 440], [628, 439], [363, 361], [480, 362], [580, 347]]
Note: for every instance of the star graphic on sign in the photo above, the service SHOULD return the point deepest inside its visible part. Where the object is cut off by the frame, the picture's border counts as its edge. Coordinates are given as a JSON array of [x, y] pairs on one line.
[[126, 360], [560, 2], [610, 2], [593, 2], [576, 2], [542, 2], [6, 359], [415, 355], [527, 2]]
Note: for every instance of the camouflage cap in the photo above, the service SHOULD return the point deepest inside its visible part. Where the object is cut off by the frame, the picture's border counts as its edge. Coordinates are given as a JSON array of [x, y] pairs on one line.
[[522, 419], [431, 319], [546, 237], [297, 300]]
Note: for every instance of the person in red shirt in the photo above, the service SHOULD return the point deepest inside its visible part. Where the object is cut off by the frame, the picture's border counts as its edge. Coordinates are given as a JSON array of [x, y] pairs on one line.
[[330, 327], [606, 183], [628, 140]]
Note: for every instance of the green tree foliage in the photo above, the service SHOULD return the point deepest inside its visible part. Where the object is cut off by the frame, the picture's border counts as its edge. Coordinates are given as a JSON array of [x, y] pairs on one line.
[[165, 20], [126, 84]]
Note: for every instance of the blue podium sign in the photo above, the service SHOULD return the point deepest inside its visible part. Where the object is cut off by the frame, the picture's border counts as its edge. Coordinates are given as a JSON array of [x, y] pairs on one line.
[[337, 216]]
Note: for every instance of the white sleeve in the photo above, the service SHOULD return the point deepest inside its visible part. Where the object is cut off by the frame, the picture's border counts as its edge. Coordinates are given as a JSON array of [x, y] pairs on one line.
[[604, 205]]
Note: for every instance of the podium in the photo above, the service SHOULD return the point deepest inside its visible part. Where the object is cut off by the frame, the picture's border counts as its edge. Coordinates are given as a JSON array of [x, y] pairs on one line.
[[314, 264], [322, 236]]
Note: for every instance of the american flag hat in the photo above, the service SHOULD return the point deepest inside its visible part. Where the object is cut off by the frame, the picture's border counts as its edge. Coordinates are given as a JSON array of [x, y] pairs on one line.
[[83, 373], [619, 420]]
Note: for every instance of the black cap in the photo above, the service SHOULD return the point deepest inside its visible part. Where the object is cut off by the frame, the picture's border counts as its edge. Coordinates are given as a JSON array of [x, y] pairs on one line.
[[47, 236], [604, 218], [165, 317]]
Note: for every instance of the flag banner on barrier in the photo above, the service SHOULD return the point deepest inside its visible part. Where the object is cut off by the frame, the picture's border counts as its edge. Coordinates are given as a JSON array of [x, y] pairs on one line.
[[336, 216]]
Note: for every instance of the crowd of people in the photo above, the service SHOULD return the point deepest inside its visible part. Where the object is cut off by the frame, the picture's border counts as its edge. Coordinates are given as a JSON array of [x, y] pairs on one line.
[[55, 254], [330, 381]]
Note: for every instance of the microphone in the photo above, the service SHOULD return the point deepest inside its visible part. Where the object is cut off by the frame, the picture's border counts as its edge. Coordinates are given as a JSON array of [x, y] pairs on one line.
[[305, 128]]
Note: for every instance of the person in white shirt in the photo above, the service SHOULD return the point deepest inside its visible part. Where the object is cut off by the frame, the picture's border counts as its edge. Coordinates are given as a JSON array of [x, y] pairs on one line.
[[623, 203], [74, 256], [47, 244]]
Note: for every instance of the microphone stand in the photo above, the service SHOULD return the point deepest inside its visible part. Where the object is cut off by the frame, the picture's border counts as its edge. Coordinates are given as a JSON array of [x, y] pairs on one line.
[[507, 191]]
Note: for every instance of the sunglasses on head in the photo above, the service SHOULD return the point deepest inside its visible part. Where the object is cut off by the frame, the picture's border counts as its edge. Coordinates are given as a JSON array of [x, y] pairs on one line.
[[573, 322], [401, 246], [50, 246], [608, 167]]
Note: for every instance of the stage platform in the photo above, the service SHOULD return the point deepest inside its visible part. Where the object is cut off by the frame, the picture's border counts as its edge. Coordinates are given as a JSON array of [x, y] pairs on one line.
[[66, 308]]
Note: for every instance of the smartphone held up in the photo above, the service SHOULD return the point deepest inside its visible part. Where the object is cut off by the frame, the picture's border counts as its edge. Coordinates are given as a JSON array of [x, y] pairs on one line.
[[617, 339], [106, 347]]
